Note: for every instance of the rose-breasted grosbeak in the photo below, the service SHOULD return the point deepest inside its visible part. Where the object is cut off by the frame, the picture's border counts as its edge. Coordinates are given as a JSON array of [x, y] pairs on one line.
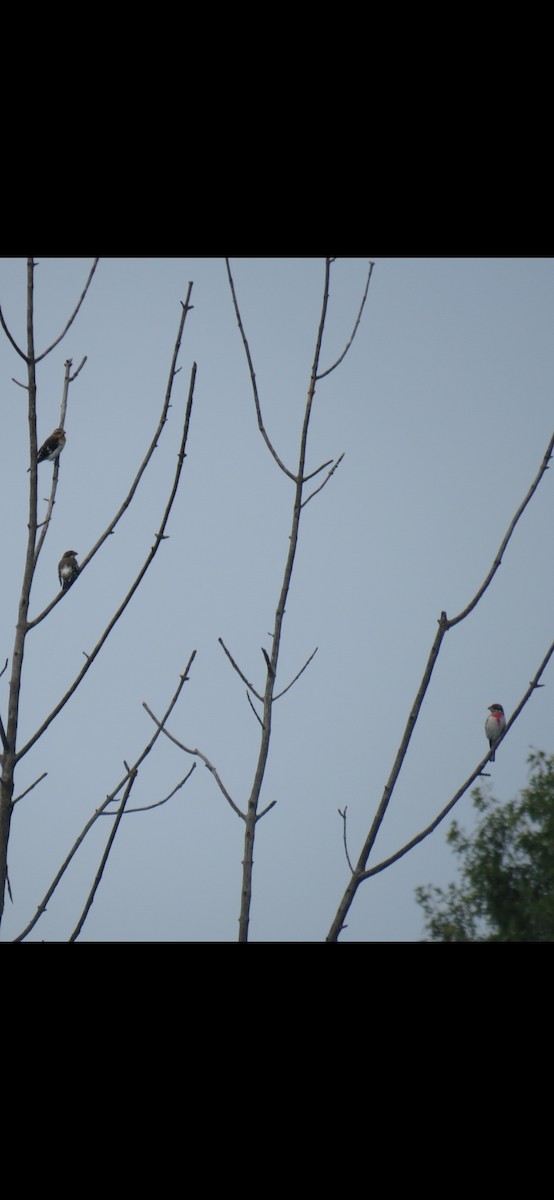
[[68, 569], [52, 447], [494, 725]]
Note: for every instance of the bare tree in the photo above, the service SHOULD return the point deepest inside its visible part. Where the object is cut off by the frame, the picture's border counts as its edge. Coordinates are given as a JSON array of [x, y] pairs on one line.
[[303, 490], [12, 751], [306, 481]]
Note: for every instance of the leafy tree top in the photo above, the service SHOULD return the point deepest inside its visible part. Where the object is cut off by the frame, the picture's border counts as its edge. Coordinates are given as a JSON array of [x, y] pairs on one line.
[[505, 891]]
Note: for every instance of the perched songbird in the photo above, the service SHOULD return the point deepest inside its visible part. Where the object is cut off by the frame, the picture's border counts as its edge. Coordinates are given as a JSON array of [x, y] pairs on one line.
[[495, 725], [68, 569], [52, 447]]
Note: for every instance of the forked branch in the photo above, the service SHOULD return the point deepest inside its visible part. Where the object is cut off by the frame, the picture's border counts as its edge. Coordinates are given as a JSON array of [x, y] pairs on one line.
[[159, 537], [361, 872], [474, 775], [154, 442], [131, 772]]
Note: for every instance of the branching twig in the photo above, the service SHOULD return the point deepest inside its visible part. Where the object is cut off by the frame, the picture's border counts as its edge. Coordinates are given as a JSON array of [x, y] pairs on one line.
[[261, 425], [109, 800], [158, 803], [163, 418], [17, 348], [55, 475], [30, 788], [359, 872], [157, 542], [543, 467], [355, 329], [326, 480], [474, 775], [104, 859], [198, 754], [39, 357], [238, 670], [293, 681]]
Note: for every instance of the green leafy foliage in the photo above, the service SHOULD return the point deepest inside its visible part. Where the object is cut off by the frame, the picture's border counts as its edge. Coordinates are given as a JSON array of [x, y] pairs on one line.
[[505, 891]]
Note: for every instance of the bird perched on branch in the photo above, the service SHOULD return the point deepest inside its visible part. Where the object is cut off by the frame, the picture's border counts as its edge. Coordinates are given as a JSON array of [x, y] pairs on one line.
[[52, 447], [495, 725], [68, 569]]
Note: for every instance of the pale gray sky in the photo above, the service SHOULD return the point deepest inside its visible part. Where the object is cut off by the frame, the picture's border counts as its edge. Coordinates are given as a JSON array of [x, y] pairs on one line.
[[443, 408]]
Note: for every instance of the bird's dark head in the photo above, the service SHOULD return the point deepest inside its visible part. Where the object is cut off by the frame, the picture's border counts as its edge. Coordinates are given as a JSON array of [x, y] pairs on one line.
[[496, 708], [70, 553]]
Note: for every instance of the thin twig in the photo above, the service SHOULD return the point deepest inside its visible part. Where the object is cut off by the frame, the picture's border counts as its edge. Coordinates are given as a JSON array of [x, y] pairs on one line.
[[302, 669], [238, 670], [158, 803], [326, 480], [127, 501], [159, 537], [543, 467], [355, 329], [30, 788], [474, 775], [197, 754], [55, 475], [261, 425], [109, 799], [39, 357], [261, 814], [17, 348], [104, 859], [343, 815], [257, 716], [79, 368]]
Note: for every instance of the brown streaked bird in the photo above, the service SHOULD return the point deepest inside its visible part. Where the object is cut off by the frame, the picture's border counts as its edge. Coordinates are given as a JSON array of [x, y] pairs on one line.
[[68, 569], [52, 447]]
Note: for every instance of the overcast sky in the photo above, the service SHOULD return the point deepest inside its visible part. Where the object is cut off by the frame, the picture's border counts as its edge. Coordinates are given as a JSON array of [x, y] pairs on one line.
[[443, 409]]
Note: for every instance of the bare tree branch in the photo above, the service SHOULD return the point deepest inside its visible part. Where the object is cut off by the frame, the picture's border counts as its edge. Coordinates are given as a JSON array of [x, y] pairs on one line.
[[150, 557], [55, 474], [359, 872], [104, 859], [543, 467], [355, 329], [238, 670], [293, 681], [326, 480], [17, 348], [30, 788], [257, 716], [163, 418], [198, 754], [261, 814], [109, 799], [254, 798], [72, 317], [261, 425], [79, 368], [474, 775], [343, 816], [158, 803], [312, 474]]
